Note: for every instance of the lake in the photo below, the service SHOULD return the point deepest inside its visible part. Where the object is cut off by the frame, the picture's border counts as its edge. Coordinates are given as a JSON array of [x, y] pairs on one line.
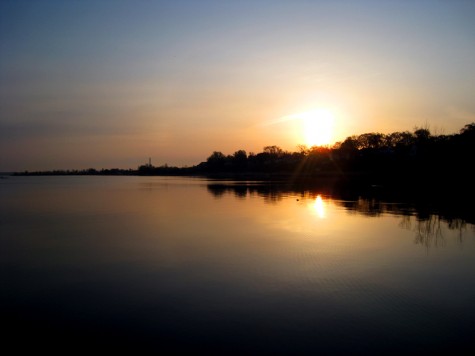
[[176, 265]]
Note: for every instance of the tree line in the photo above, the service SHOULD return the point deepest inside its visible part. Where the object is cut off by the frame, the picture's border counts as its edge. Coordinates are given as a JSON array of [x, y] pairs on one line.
[[410, 159], [370, 153], [417, 157]]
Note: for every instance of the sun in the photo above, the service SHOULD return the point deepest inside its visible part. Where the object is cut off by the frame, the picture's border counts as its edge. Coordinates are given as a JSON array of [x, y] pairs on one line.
[[317, 127]]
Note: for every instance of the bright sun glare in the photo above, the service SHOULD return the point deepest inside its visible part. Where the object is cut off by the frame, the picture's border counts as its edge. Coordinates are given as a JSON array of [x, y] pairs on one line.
[[317, 126]]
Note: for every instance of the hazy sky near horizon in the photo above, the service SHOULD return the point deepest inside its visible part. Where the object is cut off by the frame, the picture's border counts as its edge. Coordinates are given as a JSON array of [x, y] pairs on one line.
[[110, 83]]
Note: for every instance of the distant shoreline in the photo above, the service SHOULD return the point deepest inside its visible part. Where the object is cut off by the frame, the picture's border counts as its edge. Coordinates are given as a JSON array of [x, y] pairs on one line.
[[398, 161]]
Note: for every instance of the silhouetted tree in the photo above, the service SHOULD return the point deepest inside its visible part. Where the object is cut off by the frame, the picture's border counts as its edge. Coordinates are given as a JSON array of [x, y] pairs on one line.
[[468, 131], [274, 151], [400, 140], [239, 160], [216, 161], [370, 141], [349, 147], [422, 134]]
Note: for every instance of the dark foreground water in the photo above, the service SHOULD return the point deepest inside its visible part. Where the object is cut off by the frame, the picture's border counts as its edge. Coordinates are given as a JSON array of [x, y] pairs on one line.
[[188, 265]]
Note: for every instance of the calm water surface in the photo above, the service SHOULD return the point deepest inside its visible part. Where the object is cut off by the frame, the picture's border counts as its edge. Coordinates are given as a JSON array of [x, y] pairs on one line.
[[182, 264]]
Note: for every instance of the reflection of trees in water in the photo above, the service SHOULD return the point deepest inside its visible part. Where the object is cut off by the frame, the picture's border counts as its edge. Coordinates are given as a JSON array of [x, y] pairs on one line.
[[269, 193], [427, 221], [373, 207], [429, 230], [427, 225]]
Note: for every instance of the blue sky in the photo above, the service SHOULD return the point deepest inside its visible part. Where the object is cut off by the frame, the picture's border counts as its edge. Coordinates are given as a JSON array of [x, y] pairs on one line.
[[110, 83]]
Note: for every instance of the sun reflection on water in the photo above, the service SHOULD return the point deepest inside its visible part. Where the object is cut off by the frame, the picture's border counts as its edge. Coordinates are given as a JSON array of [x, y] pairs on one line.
[[319, 207]]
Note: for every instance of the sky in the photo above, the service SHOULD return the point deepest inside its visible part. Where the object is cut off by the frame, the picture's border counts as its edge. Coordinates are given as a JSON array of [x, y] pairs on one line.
[[108, 84]]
